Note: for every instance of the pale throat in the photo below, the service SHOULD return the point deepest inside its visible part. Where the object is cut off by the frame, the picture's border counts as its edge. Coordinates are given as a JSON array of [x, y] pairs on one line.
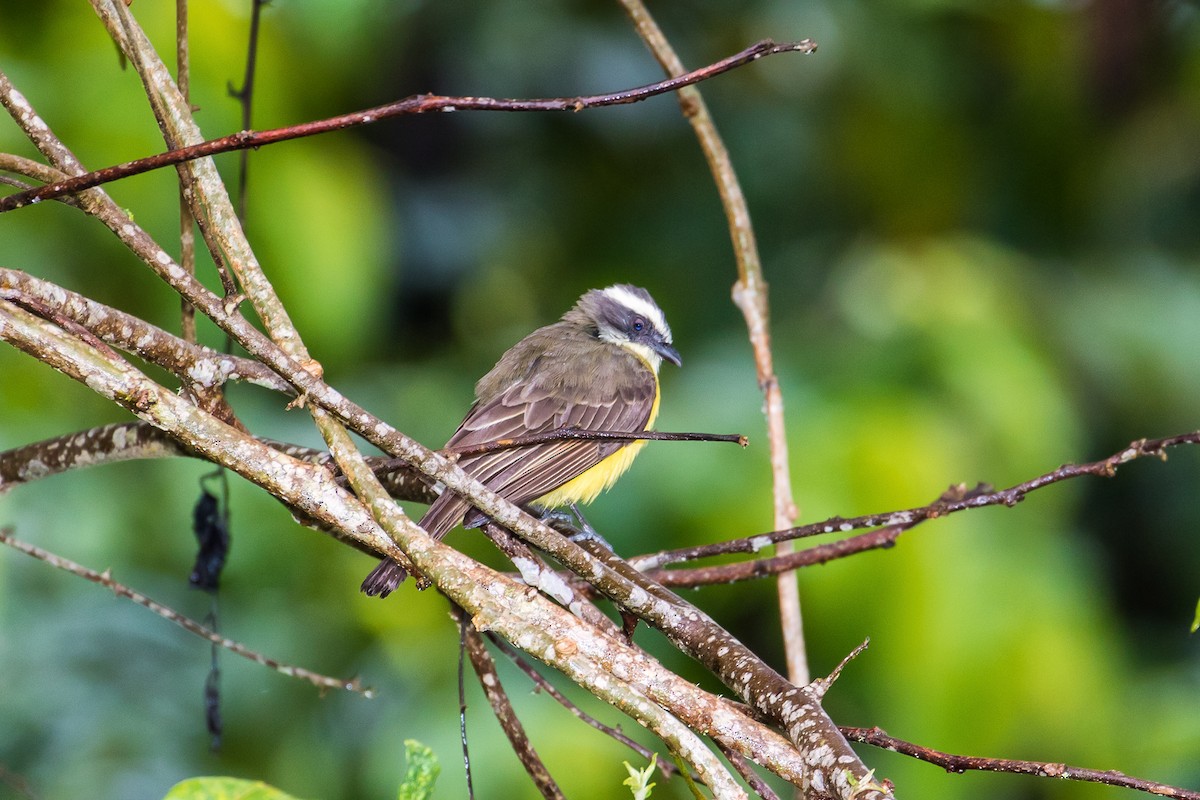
[[585, 487], [647, 356]]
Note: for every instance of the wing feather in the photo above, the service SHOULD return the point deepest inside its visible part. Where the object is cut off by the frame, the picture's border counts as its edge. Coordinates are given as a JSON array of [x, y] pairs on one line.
[[548, 400]]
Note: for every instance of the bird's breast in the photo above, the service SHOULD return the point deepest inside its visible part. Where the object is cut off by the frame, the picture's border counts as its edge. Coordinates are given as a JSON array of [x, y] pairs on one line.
[[589, 484]]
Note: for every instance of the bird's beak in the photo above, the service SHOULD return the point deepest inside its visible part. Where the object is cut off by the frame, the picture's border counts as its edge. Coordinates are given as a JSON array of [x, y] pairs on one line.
[[669, 353]]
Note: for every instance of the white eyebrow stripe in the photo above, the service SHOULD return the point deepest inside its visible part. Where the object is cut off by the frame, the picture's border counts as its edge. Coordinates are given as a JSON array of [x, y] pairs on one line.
[[642, 306]]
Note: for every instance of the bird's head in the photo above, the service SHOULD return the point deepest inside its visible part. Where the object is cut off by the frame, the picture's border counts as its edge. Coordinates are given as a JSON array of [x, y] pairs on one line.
[[627, 316]]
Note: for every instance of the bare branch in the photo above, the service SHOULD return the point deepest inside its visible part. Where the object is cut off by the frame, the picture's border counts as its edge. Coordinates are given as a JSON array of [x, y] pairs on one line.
[[757, 784], [187, 234], [536, 573], [540, 682], [956, 763], [308, 489], [506, 715], [571, 434], [822, 685], [129, 441], [195, 364], [416, 104], [30, 168], [107, 444], [189, 625], [749, 295], [956, 498], [245, 98]]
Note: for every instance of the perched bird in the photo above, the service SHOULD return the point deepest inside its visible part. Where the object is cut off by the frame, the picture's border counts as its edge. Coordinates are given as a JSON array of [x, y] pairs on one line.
[[595, 369]]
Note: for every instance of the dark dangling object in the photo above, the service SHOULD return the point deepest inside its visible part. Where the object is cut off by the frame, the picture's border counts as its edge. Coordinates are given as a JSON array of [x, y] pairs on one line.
[[212, 534]]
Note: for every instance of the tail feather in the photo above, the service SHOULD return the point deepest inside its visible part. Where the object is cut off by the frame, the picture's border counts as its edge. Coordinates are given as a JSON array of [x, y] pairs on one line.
[[446, 512], [384, 579]]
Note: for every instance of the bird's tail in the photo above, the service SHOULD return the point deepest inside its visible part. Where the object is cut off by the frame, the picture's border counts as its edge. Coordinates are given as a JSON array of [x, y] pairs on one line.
[[446, 512], [384, 579]]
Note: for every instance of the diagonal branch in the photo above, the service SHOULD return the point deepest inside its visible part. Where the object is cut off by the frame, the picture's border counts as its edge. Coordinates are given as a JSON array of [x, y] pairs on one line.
[[543, 685], [195, 364], [647, 691], [956, 498], [416, 104], [183, 621], [955, 763], [129, 441], [506, 715]]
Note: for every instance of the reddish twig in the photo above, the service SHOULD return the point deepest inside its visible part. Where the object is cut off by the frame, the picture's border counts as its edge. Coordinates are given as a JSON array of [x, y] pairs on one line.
[[416, 104], [957, 498], [777, 565], [956, 763]]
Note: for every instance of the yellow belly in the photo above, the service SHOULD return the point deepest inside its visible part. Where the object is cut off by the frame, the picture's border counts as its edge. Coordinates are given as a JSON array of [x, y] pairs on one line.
[[585, 487]]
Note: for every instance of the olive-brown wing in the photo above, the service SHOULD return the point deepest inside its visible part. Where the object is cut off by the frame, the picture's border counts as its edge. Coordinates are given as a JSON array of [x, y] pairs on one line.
[[524, 474]]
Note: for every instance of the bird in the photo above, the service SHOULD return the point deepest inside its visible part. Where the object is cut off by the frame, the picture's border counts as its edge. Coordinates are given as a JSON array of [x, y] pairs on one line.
[[595, 369]]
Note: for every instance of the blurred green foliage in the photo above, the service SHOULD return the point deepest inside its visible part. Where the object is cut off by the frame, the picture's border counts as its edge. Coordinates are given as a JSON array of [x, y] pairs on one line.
[[421, 773], [978, 220], [224, 789]]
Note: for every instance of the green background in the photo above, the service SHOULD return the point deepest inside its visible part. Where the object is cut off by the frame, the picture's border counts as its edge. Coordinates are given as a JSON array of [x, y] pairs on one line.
[[979, 225]]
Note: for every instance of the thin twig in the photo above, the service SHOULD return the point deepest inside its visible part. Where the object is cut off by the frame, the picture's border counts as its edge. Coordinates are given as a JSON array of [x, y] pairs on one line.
[[506, 715], [749, 295], [44, 173], [955, 763], [416, 104], [823, 684], [245, 96], [752, 778], [777, 565], [669, 769], [189, 625], [462, 711], [571, 434], [187, 234], [956, 498]]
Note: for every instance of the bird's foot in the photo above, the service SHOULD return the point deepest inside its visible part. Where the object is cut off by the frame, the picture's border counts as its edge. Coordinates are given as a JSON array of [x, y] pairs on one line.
[[574, 526]]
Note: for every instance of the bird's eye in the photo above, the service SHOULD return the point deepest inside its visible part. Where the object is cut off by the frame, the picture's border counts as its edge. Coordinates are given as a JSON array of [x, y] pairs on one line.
[[639, 325]]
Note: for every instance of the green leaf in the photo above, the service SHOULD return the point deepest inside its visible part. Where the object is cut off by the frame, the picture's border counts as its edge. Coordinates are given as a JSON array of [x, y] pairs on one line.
[[422, 772], [1196, 621], [225, 789], [639, 779]]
